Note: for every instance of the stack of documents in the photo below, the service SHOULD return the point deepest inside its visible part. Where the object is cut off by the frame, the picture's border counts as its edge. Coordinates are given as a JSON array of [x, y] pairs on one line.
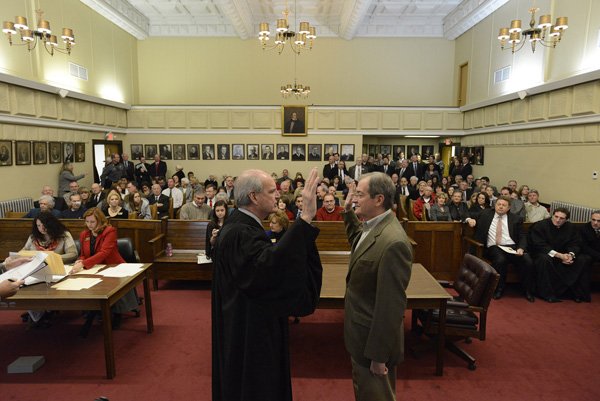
[[76, 284], [122, 270]]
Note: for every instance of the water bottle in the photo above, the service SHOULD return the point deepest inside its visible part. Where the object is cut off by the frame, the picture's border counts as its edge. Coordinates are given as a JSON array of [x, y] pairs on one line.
[[169, 250]]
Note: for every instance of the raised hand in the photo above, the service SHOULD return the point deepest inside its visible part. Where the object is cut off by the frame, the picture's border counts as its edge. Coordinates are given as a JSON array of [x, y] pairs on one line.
[[309, 196], [350, 196]]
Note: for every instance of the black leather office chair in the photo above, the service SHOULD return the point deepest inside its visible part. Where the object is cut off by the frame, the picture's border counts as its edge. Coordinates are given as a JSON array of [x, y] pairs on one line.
[[466, 315]]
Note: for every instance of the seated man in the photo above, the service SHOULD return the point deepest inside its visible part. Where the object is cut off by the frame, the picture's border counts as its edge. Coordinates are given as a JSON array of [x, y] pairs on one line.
[[533, 210], [46, 203], [498, 227], [459, 211], [75, 210], [560, 268], [329, 211], [162, 201], [59, 202], [173, 192], [590, 237], [197, 209], [73, 187]]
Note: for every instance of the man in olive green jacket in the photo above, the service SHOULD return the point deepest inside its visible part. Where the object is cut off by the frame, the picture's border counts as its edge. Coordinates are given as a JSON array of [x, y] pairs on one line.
[[379, 272]]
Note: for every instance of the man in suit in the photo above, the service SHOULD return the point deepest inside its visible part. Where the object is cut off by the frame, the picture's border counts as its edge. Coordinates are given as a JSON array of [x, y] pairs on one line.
[[158, 168], [129, 167], [415, 168], [294, 125], [298, 154], [59, 201], [378, 274], [385, 167], [282, 153], [590, 237], [329, 167], [96, 196], [267, 153], [162, 201], [208, 153], [459, 211], [402, 169], [499, 228], [466, 167]]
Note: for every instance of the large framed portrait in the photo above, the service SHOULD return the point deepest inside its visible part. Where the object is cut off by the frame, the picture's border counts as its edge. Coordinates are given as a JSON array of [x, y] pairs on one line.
[[40, 153], [253, 152], [399, 152], [385, 150], [293, 120], [223, 152], [151, 151], [6, 153], [373, 150], [79, 152], [165, 151], [426, 151], [314, 152], [179, 152], [283, 151], [208, 152], [299, 152], [55, 155], [237, 151], [330, 149], [347, 154], [193, 152], [266, 152], [478, 154], [23, 153], [68, 151], [137, 150]]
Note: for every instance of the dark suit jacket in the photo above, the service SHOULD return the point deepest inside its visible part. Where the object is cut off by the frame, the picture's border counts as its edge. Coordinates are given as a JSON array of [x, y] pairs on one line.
[[106, 250], [376, 282], [59, 204], [390, 170], [164, 209], [327, 170], [283, 156], [419, 173], [129, 170], [298, 127], [466, 170], [514, 228], [92, 202], [336, 171], [460, 212], [157, 171], [590, 243]]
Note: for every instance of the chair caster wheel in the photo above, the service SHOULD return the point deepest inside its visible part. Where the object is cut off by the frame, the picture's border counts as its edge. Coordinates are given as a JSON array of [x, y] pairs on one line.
[[472, 366]]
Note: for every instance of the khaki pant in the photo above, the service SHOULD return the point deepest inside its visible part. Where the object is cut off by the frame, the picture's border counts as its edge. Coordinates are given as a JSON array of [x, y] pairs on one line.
[[368, 387]]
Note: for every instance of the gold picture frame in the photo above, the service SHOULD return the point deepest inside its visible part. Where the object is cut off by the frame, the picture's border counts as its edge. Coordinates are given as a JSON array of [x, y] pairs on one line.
[[296, 114]]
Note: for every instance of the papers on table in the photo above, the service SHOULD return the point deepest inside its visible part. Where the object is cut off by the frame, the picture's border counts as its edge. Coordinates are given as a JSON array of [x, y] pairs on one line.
[[203, 259], [76, 284], [507, 249], [92, 270], [27, 269], [122, 270]]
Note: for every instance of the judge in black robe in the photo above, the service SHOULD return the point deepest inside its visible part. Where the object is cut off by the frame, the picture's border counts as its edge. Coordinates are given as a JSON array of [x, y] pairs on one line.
[[555, 245], [256, 286]]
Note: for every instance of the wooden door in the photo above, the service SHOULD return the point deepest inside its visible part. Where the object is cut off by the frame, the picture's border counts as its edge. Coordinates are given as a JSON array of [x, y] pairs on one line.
[[463, 80]]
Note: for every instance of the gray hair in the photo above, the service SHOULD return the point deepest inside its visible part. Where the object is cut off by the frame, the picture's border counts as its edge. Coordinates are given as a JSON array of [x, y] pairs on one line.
[[249, 181], [381, 184], [222, 196], [597, 211], [48, 199]]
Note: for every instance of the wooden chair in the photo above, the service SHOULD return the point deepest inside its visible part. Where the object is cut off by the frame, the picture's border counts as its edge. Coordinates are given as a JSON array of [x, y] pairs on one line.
[[401, 211], [14, 215], [154, 211], [171, 211], [410, 211], [466, 315]]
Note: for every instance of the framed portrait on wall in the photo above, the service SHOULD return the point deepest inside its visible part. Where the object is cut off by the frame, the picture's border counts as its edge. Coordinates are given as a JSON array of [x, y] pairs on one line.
[[165, 151], [266, 152], [330, 149], [54, 151], [314, 152], [253, 152], [137, 150], [347, 154], [299, 152], [399, 152], [40, 152], [293, 120], [373, 150], [6, 153], [208, 152], [283, 151], [23, 153], [68, 150], [151, 151], [365, 149], [193, 152], [223, 152], [412, 150], [478, 154], [179, 152], [79, 152], [385, 150], [237, 151], [426, 151]]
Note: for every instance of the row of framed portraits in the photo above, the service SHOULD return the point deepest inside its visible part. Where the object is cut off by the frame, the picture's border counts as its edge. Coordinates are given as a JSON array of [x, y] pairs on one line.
[[399, 151], [35, 152], [281, 151]]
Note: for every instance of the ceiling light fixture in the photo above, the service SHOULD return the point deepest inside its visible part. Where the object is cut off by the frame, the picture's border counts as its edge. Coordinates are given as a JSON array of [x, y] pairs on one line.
[[545, 33], [297, 41], [42, 33], [297, 89]]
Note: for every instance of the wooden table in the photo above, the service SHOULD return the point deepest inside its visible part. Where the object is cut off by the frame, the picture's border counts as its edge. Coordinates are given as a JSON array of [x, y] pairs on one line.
[[183, 265], [99, 297], [423, 292]]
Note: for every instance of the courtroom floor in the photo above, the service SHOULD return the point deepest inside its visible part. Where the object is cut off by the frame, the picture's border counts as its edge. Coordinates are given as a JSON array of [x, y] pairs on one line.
[[533, 352]]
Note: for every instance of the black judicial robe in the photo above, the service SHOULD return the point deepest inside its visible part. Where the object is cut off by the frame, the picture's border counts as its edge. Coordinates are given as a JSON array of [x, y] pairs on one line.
[[256, 285]]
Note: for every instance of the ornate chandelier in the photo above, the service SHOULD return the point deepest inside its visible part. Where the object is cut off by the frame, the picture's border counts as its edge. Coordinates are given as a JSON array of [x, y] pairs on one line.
[[297, 90], [545, 33], [297, 41], [42, 33]]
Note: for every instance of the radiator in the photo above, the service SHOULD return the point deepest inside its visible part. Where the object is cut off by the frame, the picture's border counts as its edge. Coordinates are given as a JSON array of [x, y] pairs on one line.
[[581, 214], [15, 205]]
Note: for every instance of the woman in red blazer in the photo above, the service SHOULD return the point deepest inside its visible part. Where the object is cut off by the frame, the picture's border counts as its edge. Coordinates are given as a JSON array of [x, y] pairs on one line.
[[99, 246]]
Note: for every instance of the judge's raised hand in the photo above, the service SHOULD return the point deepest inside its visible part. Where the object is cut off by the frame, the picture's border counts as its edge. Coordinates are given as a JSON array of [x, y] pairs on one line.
[[350, 196], [309, 196]]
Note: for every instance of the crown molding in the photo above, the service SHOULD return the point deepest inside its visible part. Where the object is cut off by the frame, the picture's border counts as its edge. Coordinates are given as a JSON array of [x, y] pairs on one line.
[[467, 14], [122, 14], [559, 122], [48, 123], [352, 14]]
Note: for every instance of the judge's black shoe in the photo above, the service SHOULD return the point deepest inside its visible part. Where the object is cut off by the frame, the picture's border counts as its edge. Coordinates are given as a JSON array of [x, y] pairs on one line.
[[498, 293], [529, 296], [552, 300]]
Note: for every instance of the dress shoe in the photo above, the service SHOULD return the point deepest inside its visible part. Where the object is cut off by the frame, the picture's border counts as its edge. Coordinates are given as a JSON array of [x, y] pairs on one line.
[[552, 300], [529, 296], [498, 293]]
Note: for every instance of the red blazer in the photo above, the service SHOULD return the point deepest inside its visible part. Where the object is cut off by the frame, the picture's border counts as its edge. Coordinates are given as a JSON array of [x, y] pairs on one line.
[[107, 251]]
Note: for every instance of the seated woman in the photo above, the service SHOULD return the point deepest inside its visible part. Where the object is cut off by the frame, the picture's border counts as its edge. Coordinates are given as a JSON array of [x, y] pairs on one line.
[[424, 203], [481, 203], [85, 196], [523, 193], [49, 234], [284, 205], [135, 204], [113, 208], [188, 191], [439, 211], [146, 189], [279, 222], [99, 246], [217, 220]]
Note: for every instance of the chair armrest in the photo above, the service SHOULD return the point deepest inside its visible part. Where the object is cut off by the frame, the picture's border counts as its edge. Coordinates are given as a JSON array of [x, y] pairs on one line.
[[155, 239], [457, 304], [413, 243], [478, 246], [158, 246]]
